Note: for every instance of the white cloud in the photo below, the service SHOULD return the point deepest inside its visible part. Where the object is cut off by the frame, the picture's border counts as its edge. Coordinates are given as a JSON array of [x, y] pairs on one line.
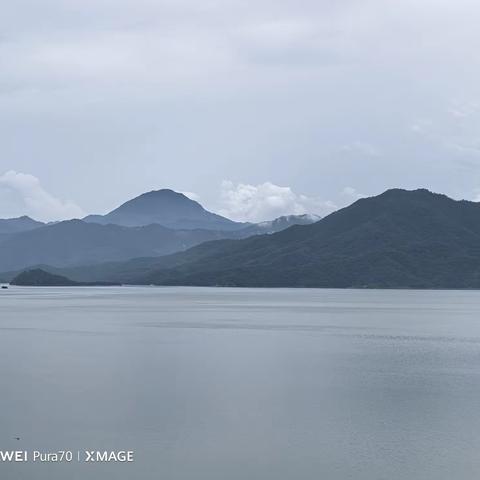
[[256, 203], [352, 193], [23, 194], [192, 196], [102, 82]]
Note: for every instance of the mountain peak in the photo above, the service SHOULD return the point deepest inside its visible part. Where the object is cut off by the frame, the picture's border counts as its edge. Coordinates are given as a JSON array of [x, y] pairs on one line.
[[157, 201], [398, 198], [18, 224], [410, 194], [165, 207], [164, 191], [400, 238]]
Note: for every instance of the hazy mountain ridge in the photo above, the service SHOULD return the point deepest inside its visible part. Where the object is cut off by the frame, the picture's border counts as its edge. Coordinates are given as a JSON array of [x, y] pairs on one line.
[[399, 239], [38, 277], [168, 208], [281, 223], [18, 224], [76, 242]]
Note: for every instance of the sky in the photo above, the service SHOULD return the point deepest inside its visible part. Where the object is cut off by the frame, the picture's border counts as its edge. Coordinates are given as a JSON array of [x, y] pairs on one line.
[[254, 108]]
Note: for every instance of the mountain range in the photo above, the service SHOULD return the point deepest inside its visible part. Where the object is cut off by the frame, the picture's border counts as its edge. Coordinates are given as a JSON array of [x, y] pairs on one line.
[[25, 243], [167, 208], [399, 239], [11, 226], [41, 278], [16, 225]]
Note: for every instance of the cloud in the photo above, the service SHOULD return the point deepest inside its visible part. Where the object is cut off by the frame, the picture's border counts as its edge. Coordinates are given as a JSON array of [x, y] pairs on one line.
[[192, 196], [352, 193], [117, 86], [256, 203], [23, 194]]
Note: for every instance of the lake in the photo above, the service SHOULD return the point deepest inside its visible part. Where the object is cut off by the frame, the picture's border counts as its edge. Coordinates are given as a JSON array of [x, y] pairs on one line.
[[227, 384]]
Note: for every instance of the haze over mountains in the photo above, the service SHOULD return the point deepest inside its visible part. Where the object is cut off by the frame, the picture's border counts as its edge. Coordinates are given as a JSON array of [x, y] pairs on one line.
[[10, 226], [41, 278], [153, 224], [16, 225], [399, 239], [168, 208]]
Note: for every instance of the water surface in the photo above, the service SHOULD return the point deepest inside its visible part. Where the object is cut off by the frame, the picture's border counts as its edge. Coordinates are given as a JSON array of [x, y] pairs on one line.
[[217, 384]]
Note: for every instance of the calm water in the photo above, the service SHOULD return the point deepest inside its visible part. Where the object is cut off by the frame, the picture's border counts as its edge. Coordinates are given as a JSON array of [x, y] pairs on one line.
[[227, 384]]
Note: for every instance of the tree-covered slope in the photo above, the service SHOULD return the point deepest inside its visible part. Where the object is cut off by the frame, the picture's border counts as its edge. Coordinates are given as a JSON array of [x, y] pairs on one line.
[[397, 239]]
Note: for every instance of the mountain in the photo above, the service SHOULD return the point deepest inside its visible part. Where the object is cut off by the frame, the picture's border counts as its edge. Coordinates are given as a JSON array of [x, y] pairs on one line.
[[20, 224], [75, 242], [399, 239], [41, 278], [168, 208], [11, 226], [279, 224]]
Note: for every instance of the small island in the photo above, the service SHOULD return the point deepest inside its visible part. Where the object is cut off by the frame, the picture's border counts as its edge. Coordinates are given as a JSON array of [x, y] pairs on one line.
[[41, 278]]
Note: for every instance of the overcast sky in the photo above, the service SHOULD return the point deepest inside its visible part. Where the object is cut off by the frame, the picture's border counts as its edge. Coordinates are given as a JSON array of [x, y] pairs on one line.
[[258, 108]]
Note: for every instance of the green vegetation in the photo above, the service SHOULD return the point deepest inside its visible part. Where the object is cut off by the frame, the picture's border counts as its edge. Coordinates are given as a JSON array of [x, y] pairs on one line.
[[400, 239], [41, 278]]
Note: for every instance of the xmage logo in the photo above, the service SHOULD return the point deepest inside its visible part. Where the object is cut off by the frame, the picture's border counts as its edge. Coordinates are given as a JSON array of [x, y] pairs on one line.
[[108, 456]]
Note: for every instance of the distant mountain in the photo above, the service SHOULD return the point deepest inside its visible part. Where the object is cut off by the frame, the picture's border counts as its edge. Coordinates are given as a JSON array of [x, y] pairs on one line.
[[75, 242], [11, 226], [399, 239], [41, 278], [20, 224], [168, 208], [279, 224]]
